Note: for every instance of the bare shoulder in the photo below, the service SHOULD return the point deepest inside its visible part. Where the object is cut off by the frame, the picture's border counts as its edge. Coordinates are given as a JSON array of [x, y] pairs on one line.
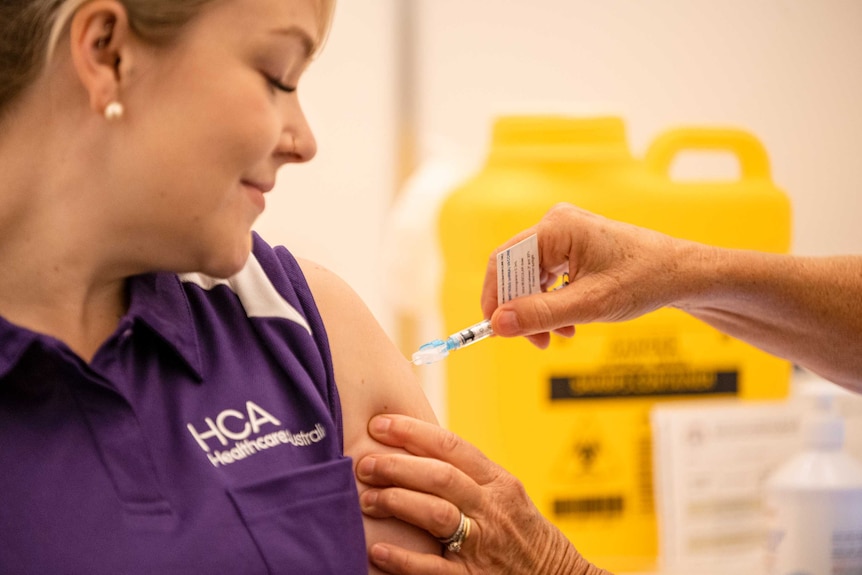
[[371, 374], [372, 378]]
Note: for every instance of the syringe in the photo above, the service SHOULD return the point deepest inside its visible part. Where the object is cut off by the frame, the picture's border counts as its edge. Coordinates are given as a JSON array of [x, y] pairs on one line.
[[436, 350]]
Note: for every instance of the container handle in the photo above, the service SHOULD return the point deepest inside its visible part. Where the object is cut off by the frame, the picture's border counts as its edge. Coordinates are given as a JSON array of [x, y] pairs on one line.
[[748, 150]]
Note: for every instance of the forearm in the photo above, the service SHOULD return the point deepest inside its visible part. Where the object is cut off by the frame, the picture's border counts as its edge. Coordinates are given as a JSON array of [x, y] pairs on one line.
[[805, 309]]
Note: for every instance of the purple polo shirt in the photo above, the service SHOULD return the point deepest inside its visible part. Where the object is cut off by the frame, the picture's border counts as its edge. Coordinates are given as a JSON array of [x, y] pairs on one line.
[[204, 437]]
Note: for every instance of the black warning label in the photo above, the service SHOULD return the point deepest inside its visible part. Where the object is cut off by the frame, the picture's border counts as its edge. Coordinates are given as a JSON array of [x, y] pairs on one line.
[[589, 507], [643, 381]]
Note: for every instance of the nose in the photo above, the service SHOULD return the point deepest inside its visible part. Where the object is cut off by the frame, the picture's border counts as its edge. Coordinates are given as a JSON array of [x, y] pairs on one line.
[[296, 143]]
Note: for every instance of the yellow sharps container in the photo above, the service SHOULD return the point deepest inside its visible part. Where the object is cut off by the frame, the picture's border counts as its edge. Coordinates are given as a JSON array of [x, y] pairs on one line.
[[572, 421]]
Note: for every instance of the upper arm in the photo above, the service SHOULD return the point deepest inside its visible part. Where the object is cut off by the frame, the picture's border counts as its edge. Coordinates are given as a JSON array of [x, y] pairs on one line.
[[372, 378]]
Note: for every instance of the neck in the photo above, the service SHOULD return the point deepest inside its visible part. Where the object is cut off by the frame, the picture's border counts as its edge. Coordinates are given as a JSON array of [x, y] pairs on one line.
[[56, 300], [60, 276]]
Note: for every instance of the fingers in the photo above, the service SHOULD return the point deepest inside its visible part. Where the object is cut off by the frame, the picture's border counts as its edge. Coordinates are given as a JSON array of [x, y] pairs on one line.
[[435, 481], [565, 331], [428, 512], [424, 492], [540, 340], [399, 561], [429, 440]]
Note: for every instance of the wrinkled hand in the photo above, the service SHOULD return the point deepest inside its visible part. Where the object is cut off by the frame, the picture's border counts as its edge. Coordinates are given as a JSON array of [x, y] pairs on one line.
[[446, 474], [616, 272]]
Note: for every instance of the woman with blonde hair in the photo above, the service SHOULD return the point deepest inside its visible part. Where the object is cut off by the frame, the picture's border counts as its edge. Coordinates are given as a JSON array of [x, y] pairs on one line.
[[176, 396]]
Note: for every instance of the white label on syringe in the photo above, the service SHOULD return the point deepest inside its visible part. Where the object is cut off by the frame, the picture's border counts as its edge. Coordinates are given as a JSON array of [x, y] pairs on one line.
[[518, 270]]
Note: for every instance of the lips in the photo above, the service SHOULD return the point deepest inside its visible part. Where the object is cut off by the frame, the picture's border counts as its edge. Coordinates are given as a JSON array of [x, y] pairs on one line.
[[256, 191], [262, 187]]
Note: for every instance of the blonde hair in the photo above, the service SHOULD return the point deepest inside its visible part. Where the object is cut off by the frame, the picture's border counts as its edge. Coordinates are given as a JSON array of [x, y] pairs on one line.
[[31, 29]]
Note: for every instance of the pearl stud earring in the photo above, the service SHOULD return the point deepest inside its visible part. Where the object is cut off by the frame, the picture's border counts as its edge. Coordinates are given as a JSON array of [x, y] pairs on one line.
[[113, 111]]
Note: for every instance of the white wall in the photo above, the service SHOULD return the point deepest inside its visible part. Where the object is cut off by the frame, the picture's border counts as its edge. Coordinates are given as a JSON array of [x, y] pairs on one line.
[[790, 71]]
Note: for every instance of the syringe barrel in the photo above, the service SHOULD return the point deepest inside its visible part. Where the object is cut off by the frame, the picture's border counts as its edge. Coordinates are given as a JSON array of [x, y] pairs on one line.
[[471, 334]]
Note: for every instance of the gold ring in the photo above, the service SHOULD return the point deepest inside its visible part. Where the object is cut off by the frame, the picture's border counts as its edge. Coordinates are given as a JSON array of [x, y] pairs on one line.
[[453, 542]]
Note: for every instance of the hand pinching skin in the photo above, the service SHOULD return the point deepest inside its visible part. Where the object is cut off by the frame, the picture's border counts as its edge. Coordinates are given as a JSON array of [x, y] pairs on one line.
[[449, 488]]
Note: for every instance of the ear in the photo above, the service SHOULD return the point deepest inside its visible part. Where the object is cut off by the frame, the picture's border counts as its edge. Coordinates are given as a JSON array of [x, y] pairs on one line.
[[99, 36]]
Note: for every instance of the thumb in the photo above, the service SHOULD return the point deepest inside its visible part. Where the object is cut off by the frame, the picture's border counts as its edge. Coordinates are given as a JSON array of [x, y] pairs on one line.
[[537, 313]]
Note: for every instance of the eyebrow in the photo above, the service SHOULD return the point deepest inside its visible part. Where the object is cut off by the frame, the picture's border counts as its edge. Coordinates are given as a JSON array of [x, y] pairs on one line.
[[308, 44]]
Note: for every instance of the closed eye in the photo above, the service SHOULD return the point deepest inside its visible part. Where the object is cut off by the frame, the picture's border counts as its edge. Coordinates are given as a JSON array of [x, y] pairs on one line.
[[279, 86]]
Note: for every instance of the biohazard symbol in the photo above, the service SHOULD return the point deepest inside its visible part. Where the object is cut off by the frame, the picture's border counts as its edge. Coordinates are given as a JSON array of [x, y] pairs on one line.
[[586, 452], [585, 455]]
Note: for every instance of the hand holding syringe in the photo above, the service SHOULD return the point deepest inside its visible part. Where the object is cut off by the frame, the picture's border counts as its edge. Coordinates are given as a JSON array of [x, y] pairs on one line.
[[435, 350]]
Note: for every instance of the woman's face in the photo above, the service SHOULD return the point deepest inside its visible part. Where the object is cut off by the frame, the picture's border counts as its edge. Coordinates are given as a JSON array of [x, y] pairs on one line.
[[209, 122]]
